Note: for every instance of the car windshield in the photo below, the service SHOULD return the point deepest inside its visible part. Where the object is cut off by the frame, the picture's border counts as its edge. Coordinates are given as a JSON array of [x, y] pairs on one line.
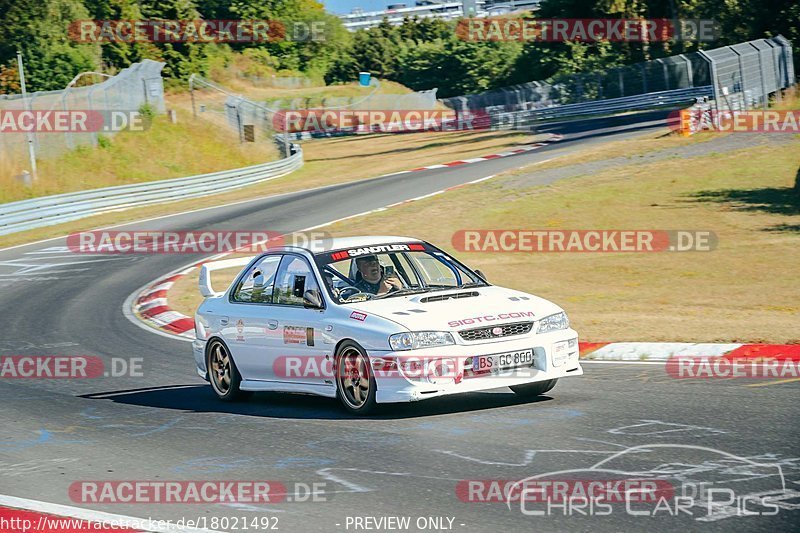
[[389, 270]]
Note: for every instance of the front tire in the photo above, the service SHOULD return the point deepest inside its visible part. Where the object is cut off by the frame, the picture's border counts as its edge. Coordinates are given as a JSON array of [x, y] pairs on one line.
[[223, 374], [531, 390], [355, 384]]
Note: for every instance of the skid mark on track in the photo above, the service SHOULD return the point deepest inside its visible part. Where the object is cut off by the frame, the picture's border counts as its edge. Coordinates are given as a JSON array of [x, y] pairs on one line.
[[659, 428], [528, 456]]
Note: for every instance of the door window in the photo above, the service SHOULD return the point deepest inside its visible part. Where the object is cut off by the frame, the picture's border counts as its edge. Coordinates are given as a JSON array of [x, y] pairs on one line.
[[293, 280], [256, 286]]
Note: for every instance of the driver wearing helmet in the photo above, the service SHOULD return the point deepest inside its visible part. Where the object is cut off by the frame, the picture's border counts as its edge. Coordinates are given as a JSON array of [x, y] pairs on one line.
[[371, 279]]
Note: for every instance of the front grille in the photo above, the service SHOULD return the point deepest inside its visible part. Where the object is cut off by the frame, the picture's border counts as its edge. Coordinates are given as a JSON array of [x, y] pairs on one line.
[[476, 334]]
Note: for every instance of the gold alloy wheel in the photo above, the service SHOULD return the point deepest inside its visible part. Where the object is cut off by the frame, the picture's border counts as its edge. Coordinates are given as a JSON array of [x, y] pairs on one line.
[[354, 377], [220, 370]]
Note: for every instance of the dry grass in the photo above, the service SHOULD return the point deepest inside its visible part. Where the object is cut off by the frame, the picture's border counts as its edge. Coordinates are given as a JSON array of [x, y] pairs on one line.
[[745, 290], [789, 101], [314, 94], [164, 151]]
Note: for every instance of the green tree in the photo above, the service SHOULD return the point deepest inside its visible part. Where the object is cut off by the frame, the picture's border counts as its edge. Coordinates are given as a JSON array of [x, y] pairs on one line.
[[458, 67], [39, 28]]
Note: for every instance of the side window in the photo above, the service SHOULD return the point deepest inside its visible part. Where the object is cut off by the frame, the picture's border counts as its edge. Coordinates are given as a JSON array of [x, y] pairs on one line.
[[256, 286], [294, 278]]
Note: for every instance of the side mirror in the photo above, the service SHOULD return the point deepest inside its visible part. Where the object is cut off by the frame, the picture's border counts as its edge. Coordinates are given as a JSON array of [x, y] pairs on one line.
[[482, 275], [312, 300]]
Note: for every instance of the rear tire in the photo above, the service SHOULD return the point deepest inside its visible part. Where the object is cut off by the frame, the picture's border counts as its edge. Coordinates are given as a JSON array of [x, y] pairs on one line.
[[531, 390], [355, 384], [223, 374]]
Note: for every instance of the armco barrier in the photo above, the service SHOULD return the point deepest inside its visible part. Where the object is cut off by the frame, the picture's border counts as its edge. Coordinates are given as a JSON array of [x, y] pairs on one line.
[[620, 105], [49, 210]]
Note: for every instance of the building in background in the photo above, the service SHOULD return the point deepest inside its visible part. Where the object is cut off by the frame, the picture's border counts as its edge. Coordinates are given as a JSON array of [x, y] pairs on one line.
[[359, 19]]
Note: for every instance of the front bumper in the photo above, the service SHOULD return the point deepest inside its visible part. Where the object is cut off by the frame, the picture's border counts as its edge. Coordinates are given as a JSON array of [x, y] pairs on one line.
[[555, 355]]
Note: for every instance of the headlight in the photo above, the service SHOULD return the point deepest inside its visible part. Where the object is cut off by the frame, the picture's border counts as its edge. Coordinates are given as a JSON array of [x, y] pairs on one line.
[[420, 339], [553, 323]]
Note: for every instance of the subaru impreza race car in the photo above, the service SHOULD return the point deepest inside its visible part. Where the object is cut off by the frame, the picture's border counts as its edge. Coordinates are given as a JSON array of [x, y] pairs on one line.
[[375, 320]]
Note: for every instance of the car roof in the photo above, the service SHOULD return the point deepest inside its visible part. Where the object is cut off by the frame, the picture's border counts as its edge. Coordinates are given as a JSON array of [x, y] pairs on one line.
[[339, 243]]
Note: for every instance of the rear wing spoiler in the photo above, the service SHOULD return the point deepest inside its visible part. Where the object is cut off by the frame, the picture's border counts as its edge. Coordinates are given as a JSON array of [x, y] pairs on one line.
[[204, 281]]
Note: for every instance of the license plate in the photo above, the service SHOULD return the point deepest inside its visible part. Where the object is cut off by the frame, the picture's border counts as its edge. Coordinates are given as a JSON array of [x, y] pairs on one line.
[[502, 361]]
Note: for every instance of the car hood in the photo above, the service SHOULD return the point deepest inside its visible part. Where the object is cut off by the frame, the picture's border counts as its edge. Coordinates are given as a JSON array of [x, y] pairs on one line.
[[457, 309]]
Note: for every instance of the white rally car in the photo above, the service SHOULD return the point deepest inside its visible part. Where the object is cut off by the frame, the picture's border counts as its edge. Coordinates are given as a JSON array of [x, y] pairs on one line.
[[307, 320]]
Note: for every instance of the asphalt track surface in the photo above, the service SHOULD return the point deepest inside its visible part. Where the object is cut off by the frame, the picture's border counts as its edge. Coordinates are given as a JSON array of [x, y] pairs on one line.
[[408, 460]]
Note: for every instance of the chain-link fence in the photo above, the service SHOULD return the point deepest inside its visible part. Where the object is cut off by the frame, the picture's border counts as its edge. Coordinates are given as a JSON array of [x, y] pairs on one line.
[[128, 91], [738, 76], [253, 121]]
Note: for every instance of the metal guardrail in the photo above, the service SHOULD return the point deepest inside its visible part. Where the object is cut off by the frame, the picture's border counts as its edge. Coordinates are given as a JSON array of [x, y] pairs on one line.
[[49, 210], [620, 105]]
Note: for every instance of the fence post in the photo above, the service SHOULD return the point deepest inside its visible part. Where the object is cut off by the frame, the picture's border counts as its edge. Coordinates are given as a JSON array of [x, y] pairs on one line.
[[27, 105], [666, 73], [36, 140], [715, 92], [191, 92], [239, 122], [763, 77], [742, 84], [775, 68], [689, 74]]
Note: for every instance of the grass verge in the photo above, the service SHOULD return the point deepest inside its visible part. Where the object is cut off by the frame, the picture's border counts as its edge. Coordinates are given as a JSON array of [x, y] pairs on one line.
[[163, 151]]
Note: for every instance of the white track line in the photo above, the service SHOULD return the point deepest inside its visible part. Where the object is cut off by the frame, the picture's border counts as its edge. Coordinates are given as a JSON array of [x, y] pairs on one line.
[[90, 515]]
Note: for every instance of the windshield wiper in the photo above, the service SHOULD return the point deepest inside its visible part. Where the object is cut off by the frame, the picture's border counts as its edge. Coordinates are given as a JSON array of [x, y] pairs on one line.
[[473, 284]]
